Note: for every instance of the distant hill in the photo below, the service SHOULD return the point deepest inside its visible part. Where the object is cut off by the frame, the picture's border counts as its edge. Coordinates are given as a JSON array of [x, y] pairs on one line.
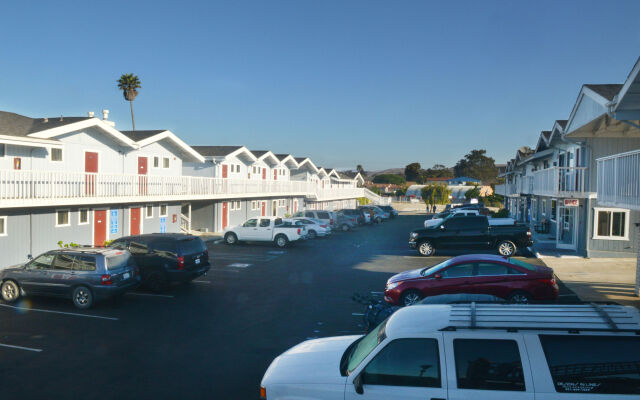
[[372, 174]]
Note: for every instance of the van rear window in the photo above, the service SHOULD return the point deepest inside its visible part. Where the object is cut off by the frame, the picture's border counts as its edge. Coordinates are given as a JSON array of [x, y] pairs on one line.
[[191, 246], [323, 215], [593, 364]]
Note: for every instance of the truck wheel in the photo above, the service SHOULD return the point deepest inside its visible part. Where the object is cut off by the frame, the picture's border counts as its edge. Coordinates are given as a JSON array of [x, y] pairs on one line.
[[10, 291], [230, 238], [519, 297], [312, 234], [426, 248], [281, 241], [345, 228], [506, 248], [410, 297]]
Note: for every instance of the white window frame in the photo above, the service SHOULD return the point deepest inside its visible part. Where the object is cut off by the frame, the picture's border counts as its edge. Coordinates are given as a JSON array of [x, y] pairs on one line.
[[5, 224], [79, 214], [68, 217], [146, 215], [544, 207], [154, 160], [551, 210], [61, 155], [237, 205], [168, 160], [160, 214], [254, 205], [626, 212]]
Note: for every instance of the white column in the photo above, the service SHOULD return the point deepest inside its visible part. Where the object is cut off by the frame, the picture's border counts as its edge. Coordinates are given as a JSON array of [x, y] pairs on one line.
[[638, 261]]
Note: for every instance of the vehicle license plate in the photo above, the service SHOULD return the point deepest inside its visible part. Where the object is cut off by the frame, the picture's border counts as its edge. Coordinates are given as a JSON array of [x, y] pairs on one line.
[[197, 261], [126, 275]]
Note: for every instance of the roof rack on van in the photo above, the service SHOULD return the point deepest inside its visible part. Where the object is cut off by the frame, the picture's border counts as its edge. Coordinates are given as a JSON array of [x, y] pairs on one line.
[[570, 318]]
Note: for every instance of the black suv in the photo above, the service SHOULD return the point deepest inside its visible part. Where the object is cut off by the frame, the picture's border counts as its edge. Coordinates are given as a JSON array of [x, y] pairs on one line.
[[164, 258], [83, 274]]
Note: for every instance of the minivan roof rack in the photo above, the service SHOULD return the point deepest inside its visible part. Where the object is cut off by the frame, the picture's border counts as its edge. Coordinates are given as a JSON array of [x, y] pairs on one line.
[[570, 318]]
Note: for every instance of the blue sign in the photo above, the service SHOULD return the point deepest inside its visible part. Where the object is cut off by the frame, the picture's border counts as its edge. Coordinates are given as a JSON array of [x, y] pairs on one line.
[[114, 221], [163, 224]]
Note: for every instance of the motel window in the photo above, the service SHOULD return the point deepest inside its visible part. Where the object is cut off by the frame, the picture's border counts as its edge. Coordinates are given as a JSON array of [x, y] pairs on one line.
[[3, 226], [254, 205], [554, 204], [237, 205], [3, 149], [149, 211], [62, 218], [165, 162], [163, 210], [56, 154], [611, 224], [156, 162], [83, 216]]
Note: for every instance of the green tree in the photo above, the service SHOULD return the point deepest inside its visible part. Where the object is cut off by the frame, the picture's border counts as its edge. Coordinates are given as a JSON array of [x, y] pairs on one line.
[[412, 172], [129, 83], [472, 193], [360, 170], [375, 189], [401, 192], [477, 165], [436, 194], [395, 179]]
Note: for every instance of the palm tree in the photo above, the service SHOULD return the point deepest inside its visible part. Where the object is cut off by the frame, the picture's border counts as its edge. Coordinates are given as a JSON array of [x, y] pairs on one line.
[[360, 169], [128, 83]]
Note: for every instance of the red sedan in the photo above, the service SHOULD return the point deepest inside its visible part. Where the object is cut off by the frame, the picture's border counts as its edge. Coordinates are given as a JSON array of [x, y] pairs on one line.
[[508, 278]]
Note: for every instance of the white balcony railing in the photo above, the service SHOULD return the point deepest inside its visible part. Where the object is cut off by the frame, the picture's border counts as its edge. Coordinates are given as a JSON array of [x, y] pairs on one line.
[[560, 181], [24, 188], [619, 180]]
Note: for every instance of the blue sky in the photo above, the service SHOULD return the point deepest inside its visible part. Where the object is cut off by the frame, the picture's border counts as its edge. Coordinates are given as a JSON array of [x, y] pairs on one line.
[[381, 83]]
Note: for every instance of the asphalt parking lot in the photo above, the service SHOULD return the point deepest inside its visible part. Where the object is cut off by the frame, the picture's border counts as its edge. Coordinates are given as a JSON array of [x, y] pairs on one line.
[[212, 338]]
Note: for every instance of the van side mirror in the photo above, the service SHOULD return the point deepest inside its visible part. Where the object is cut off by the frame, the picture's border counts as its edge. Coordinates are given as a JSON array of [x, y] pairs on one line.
[[357, 384]]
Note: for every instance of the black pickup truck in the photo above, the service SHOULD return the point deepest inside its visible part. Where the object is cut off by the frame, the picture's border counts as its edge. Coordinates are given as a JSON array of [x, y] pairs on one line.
[[470, 232]]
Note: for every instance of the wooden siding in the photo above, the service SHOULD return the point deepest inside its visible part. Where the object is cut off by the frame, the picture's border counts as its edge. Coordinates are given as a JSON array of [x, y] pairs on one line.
[[602, 147], [612, 248]]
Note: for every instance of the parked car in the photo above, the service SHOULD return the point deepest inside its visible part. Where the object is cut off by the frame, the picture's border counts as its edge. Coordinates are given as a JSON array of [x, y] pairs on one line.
[[463, 212], [314, 227], [470, 351], [346, 222], [469, 233], [82, 274], [392, 211], [165, 258], [359, 215], [507, 278], [377, 215], [322, 215], [265, 229]]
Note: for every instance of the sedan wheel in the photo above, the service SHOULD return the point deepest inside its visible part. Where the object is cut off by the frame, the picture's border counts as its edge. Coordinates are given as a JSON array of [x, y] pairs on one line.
[[411, 297], [312, 234], [10, 291], [82, 297], [426, 249], [506, 248]]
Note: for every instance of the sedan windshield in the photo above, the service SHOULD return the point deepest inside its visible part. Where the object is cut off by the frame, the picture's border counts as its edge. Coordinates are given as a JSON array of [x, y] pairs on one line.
[[364, 346]]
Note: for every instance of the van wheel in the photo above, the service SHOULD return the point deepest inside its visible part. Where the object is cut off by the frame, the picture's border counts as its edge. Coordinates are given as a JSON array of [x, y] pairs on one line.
[[519, 297], [410, 297], [230, 238], [281, 241], [10, 291], [506, 248], [82, 297], [157, 282], [312, 234], [426, 248]]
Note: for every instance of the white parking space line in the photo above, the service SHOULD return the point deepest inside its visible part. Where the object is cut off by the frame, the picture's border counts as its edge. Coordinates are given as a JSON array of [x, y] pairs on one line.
[[239, 265], [168, 296], [205, 282], [60, 312], [20, 347]]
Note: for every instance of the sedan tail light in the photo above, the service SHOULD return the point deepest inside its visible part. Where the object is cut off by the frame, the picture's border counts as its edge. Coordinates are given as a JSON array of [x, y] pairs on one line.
[[548, 281], [298, 231], [323, 226], [106, 279], [181, 262]]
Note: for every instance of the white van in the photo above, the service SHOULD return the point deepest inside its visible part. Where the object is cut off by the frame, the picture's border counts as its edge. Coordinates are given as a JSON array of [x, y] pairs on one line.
[[471, 351]]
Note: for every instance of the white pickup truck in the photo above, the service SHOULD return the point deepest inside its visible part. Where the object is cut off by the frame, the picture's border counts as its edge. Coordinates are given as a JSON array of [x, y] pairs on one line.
[[438, 218], [265, 229]]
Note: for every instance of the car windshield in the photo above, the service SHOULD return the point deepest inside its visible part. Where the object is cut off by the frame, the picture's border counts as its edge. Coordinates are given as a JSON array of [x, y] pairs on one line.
[[118, 261], [436, 268], [364, 346]]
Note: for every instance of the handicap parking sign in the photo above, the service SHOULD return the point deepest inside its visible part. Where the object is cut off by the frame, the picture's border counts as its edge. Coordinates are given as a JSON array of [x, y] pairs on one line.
[[163, 224], [114, 221]]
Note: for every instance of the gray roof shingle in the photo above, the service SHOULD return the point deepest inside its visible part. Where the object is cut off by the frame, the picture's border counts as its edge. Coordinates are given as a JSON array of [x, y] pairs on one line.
[[608, 91], [215, 151], [12, 124], [137, 136]]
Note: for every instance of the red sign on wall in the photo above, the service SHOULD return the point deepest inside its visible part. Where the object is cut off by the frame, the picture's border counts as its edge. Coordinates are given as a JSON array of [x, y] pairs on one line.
[[571, 202], [17, 164]]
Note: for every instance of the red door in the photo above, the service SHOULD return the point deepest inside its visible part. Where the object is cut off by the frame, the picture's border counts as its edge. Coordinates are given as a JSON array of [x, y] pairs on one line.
[[264, 173], [142, 172], [99, 227], [275, 174], [224, 170], [135, 221], [225, 210], [264, 209], [90, 168]]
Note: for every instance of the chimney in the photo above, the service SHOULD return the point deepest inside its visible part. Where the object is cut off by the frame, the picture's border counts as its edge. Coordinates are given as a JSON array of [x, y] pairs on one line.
[[90, 114], [105, 115], [45, 120], [60, 117]]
